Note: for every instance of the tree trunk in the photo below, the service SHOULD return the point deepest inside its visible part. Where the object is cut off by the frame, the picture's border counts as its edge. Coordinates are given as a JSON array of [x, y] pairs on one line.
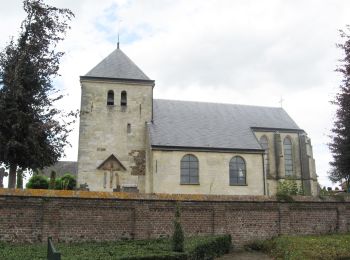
[[12, 176], [19, 180]]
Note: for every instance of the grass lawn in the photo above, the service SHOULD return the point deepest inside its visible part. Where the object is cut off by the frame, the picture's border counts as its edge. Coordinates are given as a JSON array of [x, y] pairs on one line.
[[335, 246], [94, 250]]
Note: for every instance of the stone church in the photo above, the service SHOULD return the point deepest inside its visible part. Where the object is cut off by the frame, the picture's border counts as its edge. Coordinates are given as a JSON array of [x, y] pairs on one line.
[[129, 141]]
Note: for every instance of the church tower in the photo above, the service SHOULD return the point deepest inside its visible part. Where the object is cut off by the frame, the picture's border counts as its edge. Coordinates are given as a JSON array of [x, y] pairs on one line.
[[116, 104]]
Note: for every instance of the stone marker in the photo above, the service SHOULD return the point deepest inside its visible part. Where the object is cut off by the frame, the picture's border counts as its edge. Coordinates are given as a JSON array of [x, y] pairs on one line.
[[2, 175]]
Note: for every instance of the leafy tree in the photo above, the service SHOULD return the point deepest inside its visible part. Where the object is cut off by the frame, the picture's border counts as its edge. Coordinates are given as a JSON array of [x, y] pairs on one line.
[[340, 137], [33, 132], [178, 235]]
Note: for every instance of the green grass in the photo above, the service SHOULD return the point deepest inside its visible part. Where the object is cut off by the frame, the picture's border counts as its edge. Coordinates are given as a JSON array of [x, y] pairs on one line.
[[143, 249], [335, 246]]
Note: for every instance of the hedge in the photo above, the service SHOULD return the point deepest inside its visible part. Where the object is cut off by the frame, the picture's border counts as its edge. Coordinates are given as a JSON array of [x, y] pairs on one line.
[[209, 248], [198, 247], [331, 246], [212, 247]]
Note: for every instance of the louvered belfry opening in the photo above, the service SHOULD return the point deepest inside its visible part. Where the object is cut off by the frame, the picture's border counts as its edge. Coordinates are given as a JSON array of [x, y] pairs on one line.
[[123, 99], [110, 98]]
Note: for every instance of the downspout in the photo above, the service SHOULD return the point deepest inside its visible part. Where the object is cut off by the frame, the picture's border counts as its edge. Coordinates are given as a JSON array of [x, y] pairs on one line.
[[152, 105], [264, 173], [301, 164]]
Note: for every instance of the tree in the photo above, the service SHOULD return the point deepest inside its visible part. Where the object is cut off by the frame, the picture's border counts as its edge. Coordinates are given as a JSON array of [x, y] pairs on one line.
[[178, 235], [33, 132], [340, 138]]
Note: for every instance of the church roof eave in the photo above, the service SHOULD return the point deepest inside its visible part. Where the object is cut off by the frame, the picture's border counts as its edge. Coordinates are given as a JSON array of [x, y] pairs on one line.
[[122, 80], [204, 149]]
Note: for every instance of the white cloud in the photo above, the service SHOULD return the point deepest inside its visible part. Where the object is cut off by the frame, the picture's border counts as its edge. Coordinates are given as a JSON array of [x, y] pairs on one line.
[[243, 51]]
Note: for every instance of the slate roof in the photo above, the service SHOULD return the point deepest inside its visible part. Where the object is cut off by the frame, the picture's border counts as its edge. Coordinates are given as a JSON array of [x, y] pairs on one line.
[[212, 125], [117, 66]]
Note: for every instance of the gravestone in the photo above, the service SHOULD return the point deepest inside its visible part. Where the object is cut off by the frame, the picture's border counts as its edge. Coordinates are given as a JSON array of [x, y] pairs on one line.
[[2, 175]]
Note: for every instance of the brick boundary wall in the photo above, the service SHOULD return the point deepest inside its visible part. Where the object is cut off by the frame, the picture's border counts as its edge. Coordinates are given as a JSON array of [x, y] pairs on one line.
[[30, 216]]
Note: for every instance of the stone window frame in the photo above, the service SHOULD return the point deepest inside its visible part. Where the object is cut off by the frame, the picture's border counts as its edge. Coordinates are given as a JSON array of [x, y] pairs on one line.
[[288, 157], [110, 98], [124, 99], [232, 169], [192, 166], [267, 153]]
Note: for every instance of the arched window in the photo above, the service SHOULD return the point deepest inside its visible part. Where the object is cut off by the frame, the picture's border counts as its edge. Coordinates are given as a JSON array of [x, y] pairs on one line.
[[123, 99], [264, 142], [189, 170], [110, 98], [237, 171], [128, 128], [288, 156]]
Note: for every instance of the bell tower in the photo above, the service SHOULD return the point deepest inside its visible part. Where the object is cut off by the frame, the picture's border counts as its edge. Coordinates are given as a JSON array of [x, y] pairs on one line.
[[116, 104]]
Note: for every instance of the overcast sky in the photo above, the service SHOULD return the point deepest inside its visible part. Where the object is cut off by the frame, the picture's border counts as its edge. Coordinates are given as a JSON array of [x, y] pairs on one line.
[[242, 52]]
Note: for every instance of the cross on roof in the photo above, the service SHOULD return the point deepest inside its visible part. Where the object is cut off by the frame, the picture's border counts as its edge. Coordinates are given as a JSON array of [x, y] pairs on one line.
[[281, 101]]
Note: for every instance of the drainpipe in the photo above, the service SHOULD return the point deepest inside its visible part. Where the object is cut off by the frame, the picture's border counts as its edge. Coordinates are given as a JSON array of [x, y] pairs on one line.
[[301, 164], [264, 172]]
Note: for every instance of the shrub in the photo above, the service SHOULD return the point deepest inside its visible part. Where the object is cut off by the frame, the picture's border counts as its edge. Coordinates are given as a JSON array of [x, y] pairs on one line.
[[211, 247], [58, 184], [324, 192], [257, 245], [178, 236], [67, 182], [289, 187], [38, 182]]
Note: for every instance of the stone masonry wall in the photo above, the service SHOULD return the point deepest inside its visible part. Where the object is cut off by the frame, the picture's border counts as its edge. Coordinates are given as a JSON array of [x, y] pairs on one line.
[[112, 129], [32, 216]]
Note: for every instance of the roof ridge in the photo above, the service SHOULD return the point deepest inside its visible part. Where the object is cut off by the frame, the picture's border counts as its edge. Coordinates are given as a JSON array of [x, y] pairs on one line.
[[218, 103]]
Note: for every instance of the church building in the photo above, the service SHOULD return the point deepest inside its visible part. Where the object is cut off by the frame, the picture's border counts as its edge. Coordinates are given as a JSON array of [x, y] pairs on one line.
[[131, 142]]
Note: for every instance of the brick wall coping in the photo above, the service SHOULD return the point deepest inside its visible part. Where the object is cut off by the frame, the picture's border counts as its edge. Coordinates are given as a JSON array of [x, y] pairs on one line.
[[161, 197]]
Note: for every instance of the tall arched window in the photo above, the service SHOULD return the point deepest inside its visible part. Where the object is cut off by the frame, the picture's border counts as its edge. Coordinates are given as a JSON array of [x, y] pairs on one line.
[[189, 170], [110, 98], [123, 99], [238, 172], [264, 142], [288, 156]]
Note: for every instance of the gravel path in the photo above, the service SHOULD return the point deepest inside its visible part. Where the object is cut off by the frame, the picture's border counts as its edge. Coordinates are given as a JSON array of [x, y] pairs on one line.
[[245, 256]]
